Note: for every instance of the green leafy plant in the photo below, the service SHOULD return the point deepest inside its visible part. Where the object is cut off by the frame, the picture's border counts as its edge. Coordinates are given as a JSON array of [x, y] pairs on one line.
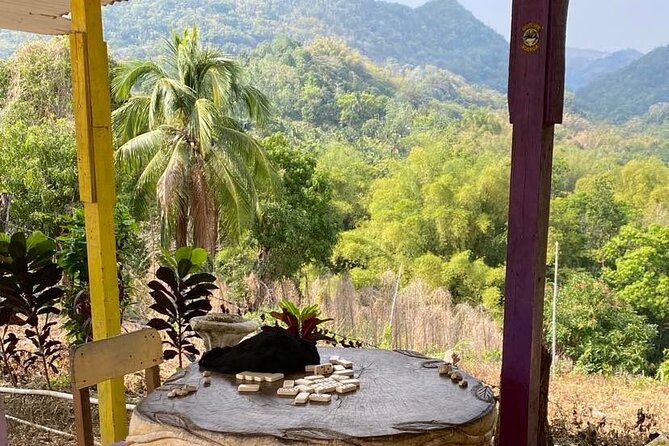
[[599, 330], [302, 322], [180, 293], [8, 341], [663, 369], [29, 288], [73, 258]]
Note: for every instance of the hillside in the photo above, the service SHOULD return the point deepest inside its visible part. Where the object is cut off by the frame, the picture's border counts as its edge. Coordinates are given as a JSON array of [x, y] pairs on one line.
[[328, 85], [628, 92], [584, 66], [440, 33]]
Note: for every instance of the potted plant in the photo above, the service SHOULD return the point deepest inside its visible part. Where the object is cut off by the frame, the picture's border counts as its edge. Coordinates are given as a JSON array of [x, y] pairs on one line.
[[302, 322]]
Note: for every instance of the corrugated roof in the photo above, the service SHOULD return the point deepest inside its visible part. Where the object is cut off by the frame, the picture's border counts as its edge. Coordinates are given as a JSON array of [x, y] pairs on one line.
[[38, 16]]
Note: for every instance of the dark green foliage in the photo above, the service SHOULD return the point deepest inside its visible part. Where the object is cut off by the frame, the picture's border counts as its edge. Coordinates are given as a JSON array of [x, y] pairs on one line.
[[599, 330], [180, 293], [297, 227], [630, 91], [29, 288], [300, 226], [73, 258]]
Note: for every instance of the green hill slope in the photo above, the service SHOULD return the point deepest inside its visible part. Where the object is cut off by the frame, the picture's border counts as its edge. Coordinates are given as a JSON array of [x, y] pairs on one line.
[[630, 91], [440, 33], [580, 71], [328, 85]]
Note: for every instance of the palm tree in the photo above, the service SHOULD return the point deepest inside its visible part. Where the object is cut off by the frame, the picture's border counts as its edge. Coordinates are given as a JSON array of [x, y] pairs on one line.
[[182, 129]]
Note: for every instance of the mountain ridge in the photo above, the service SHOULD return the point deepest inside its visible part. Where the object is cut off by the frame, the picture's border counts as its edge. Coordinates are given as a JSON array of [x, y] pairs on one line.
[[629, 91], [586, 66], [440, 33]]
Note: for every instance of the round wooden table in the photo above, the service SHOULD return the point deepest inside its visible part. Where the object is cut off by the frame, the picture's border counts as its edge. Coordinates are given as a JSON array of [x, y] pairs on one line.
[[402, 401]]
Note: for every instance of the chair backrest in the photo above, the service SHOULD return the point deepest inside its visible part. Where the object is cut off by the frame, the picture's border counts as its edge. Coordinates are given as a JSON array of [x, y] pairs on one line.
[[99, 361]]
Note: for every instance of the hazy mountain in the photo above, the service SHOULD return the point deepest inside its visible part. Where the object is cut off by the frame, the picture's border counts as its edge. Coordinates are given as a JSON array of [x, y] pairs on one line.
[[579, 58], [412, 3], [440, 32], [630, 91], [583, 66]]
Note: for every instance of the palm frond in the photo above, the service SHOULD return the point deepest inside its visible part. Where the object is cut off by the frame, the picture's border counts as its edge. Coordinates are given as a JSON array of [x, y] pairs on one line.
[[171, 190], [219, 78], [234, 192], [128, 75], [202, 124], [144, 193], [175, 99], [138, 151], [131, 119], [232, 138], [257, 105]]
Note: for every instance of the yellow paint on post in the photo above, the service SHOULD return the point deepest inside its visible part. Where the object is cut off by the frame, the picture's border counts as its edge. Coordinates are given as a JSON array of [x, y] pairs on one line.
[[92, 112]]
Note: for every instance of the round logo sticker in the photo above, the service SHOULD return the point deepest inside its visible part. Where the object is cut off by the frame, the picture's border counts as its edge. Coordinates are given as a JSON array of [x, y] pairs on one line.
[[531, 37]]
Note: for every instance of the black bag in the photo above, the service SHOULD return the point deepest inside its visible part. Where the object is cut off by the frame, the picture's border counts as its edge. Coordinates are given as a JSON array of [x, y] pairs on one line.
[[273, 350]]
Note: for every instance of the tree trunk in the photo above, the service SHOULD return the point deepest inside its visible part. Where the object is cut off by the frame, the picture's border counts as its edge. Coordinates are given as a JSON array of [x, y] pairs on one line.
[[181, 230], [5, 202], [203, 212]]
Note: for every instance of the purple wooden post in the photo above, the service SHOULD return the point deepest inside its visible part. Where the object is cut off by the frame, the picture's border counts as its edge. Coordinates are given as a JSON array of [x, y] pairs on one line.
[[536, 90]]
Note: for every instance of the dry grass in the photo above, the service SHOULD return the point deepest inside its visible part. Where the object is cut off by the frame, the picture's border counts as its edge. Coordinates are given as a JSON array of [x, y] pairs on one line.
[[423, 320], [593, 410]]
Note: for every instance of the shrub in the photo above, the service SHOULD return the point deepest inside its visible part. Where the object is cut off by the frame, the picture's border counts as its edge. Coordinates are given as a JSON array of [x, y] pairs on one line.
[[181, 292], [29, 288], [600, 331], [73, 258], [663, 369]]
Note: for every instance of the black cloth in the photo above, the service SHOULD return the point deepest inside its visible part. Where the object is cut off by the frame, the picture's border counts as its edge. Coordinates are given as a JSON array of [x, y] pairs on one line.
[[271, 351]]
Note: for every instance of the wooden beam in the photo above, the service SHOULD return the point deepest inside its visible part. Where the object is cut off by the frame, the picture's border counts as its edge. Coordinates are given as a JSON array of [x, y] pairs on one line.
[[38, 16], [92, 110], [536, 89]]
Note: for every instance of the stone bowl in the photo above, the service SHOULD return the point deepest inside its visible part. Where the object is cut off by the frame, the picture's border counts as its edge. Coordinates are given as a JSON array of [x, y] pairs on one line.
[[222, 330]]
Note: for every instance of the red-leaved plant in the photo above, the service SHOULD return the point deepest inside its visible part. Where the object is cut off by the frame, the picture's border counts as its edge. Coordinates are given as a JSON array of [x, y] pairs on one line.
[[302, 322]]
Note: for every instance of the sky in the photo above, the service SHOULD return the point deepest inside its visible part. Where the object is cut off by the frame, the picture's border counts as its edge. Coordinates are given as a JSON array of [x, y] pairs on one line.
[[606, 25]]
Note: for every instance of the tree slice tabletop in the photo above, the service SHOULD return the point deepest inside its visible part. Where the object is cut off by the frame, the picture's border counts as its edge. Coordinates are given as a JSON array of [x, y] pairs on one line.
[[402, 400]]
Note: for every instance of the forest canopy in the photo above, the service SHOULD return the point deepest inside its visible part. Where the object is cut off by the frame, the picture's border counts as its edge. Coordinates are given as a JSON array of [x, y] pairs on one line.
[[380, 169]]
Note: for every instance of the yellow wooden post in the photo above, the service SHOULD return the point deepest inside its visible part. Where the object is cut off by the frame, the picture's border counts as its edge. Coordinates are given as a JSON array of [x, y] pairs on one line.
[[92, 112]]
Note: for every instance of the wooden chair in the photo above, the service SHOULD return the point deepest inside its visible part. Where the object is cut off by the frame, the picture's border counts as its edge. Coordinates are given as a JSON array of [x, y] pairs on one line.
[[99, 361]]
